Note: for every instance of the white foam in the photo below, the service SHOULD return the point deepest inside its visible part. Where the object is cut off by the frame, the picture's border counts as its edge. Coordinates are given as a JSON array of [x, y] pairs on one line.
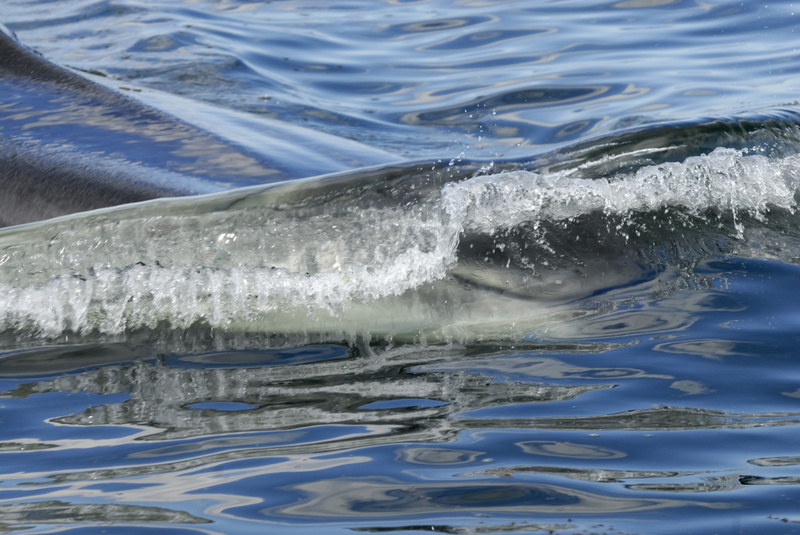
[[725, 180], [274, 265]]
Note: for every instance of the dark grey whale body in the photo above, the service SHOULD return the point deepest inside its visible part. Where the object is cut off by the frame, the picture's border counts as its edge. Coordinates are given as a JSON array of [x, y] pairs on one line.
[[68, 144], [432, 250]]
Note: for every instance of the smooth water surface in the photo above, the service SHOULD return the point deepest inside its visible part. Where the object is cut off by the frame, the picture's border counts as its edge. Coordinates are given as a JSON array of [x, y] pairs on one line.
[[590, 327]]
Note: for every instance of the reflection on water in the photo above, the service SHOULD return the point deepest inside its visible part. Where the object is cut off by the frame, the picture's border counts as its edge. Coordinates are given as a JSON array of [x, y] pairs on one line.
[[173, 399], [463, 439], [379, 498], [58, 512]]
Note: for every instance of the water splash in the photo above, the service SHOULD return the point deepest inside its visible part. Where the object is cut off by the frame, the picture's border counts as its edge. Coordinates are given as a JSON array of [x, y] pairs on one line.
[[355, 254]]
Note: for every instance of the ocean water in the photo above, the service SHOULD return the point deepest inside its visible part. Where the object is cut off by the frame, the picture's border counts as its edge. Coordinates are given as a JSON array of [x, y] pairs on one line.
[[473, 267]]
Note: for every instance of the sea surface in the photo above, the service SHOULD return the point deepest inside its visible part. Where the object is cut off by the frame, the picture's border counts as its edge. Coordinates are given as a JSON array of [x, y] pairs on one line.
[[536, 269]]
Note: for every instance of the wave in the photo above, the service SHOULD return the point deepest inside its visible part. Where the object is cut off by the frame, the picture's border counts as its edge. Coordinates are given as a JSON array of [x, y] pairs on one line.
[[420, 252]]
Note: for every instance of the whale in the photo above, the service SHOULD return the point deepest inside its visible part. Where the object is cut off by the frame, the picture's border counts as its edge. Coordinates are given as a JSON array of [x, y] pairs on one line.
[[73, 149], [124, 220], [445, 254]]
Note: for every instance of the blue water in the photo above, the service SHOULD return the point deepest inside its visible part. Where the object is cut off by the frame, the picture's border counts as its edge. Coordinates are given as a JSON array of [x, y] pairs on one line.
[[606, 350]]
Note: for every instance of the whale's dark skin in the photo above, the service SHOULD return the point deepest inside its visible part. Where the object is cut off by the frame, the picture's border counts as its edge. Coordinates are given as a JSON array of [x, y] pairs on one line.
[[37, 181], [69, 144]]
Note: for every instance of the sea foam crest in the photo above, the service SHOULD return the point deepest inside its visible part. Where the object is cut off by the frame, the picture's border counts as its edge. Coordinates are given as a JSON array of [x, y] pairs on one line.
[[274, 265], [725, 180]]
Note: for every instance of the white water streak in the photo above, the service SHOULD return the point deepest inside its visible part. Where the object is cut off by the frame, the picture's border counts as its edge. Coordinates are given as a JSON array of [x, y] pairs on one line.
[[113, 271]]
